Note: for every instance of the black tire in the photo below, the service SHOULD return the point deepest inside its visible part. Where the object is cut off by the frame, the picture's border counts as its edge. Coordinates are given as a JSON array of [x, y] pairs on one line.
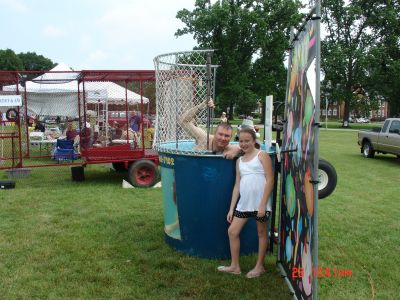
[[327, 179], [119, 167], [12, 115], [367, 150], [143, 173]]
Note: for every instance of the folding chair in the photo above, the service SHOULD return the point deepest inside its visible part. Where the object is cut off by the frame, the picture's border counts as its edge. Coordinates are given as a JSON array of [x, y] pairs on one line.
[[65, 151]]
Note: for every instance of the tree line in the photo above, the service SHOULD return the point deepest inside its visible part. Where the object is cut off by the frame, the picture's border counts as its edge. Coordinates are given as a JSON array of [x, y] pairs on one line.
[[29, 61], [360, 50]]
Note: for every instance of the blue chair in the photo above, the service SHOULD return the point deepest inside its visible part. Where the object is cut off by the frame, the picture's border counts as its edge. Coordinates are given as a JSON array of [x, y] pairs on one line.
[[64, 151]]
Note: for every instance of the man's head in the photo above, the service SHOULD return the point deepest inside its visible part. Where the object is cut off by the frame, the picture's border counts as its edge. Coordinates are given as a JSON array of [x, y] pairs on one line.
[[222, 136]]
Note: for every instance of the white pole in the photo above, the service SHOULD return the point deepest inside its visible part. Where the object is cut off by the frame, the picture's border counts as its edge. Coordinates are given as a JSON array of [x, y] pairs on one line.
[[326, 112], [2, 140], [268, 122]]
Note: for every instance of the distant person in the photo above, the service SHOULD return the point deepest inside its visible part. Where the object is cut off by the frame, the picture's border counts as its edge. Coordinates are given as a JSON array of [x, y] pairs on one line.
[[116, 131], [128, 134], [223, 119], [39, 126], [86, 136], [31, 121], [250, 199], [135, 121], [150, 133], [71, 132]]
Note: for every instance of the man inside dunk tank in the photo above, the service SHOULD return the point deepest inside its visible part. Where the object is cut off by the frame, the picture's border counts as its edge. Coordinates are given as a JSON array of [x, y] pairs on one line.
[[197, 162]]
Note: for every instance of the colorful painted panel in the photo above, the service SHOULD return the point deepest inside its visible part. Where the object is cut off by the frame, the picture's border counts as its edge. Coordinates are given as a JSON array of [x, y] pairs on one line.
[[297, 192]]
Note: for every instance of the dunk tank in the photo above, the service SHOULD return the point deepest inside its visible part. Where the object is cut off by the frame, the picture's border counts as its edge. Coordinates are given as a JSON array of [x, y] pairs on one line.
[[197, 184]]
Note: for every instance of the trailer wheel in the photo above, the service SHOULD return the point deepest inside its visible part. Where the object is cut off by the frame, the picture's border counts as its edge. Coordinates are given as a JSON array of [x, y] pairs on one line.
[[367, 150], [143, 173], [119, 167], [327, 179]]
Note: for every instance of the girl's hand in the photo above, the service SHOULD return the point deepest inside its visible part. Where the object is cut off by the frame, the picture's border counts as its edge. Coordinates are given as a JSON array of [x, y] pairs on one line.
[[229, 217], [260, 213]]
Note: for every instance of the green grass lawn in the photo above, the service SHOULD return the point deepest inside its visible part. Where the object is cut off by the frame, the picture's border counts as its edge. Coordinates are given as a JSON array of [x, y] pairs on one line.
[[93, 239]]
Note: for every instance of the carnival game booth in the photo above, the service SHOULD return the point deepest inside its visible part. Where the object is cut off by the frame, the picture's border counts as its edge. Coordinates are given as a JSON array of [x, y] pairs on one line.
[[62, 104]]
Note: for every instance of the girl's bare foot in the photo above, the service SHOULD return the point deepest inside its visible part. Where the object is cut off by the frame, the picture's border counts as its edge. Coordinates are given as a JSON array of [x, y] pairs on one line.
[[256, 272], [229, 269]]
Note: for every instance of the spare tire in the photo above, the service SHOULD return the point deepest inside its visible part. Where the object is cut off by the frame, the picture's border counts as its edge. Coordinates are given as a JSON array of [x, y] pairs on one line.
[[12, 115], [327, 179], [143, 173]]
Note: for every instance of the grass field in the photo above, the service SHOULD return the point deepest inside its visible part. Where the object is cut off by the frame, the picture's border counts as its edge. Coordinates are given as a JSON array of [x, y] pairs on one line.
[[61, 239]]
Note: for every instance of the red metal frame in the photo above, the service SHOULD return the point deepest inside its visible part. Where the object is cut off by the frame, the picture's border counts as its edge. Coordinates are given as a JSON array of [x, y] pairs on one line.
[[117, 153]]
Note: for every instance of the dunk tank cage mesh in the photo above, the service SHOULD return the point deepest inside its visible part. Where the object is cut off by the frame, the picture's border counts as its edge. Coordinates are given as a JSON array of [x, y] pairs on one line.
[[183, 80], [196, 185]]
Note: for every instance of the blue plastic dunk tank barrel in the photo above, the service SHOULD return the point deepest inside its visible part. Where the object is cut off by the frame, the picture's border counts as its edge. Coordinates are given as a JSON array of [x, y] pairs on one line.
[[197, 194]]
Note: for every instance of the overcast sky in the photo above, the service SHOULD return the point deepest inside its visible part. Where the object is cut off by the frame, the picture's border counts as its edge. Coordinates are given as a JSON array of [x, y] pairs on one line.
[[94, 34]]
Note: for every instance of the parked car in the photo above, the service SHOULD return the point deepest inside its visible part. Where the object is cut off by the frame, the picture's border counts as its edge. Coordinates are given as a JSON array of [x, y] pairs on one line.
[[381, 140], [362, 120]]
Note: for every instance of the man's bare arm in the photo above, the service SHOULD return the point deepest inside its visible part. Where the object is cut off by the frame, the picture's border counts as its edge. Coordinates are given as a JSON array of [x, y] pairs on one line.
[[231, 151], [186, 122]]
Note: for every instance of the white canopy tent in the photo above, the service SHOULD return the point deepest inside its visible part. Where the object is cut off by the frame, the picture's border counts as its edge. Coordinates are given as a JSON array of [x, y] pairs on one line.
[[56, 94]]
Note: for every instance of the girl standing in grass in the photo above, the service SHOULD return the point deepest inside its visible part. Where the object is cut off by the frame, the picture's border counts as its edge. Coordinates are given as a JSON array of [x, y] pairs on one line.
[[254, 183]]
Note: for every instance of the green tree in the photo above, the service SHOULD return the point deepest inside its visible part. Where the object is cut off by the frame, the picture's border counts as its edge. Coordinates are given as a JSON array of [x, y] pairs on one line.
[[384, 57], [34, 62], [250, 38], [9, 61], [354, 50]]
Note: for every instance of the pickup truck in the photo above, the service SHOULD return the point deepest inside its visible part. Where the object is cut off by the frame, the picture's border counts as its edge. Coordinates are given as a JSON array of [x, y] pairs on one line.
[[381, 140]]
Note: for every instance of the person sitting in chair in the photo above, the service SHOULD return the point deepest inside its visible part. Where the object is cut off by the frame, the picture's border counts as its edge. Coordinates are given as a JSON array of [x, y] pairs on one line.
[[130, 135], [116, 131], [71, 132], [86, 136]]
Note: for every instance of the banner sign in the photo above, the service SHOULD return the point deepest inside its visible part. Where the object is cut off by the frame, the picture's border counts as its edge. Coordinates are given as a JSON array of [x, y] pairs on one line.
[[10, 100]]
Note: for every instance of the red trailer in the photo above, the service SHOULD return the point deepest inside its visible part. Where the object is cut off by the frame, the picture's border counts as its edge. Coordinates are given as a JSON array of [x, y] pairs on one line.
[[64, 118]]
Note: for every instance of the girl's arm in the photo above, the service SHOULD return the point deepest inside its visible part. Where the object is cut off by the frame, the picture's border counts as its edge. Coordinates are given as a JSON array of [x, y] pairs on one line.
[[235, 194], [269, 181]]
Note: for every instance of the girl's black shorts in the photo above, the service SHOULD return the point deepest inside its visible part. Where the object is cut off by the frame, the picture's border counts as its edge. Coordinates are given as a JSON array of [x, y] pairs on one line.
[[252, 214]]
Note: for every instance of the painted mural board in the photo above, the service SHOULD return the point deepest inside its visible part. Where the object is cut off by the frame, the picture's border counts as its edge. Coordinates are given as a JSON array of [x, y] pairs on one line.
[[297, 254]]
